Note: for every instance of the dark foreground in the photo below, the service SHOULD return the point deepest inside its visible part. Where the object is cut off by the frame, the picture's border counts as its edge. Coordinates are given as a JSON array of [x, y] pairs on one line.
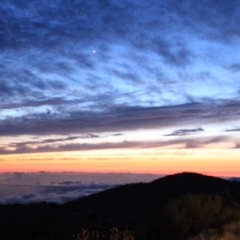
[[170, 208]]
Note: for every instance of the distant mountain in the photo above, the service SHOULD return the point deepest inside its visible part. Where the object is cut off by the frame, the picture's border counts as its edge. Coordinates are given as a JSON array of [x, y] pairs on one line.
[[156, 210]]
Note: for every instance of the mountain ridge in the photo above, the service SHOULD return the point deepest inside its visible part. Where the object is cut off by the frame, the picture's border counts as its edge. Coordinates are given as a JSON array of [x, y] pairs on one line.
[[174, 185]]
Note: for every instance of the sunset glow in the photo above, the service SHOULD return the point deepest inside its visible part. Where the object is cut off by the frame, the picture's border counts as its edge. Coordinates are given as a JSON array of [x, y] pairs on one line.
[[157, 161], [120, 86]]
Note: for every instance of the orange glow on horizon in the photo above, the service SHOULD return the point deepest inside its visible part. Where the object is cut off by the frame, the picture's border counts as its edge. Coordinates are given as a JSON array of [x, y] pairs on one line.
[[223, 163]]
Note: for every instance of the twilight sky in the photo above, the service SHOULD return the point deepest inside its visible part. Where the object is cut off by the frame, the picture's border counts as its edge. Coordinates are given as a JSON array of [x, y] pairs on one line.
[[120, 86]]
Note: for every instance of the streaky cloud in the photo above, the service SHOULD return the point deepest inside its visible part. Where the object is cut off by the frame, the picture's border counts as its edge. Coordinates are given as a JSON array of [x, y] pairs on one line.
[[121, 118], [235, 129], [183, 132], [186, 143]]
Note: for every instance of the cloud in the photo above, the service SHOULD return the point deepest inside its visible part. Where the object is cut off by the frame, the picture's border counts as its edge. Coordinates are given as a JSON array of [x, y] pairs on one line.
[[235, 67], [199, 143], [54, 140], [47, 48], [183, 132], [47, 144], [210, 19], [183, 143], [121, 118], [67, 183], [92, 124], [45, 178], [24, 148], [235, 129], [67, 186], [190, 143], [46, 102], [150, 70], [57, 194], [172, 53], [117, 134], [106, 19]]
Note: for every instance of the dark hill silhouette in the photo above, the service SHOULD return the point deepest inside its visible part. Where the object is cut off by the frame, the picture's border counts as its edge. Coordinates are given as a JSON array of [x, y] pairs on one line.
[[141, 207], [149, 195]]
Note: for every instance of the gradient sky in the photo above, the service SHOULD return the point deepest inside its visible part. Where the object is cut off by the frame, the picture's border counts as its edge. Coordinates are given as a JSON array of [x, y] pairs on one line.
[[120, 86]]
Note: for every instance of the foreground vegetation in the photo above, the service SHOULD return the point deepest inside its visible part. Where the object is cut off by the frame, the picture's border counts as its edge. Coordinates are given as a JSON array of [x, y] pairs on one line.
[[191, 216], [203, 217], [114, 234], [230, 231]]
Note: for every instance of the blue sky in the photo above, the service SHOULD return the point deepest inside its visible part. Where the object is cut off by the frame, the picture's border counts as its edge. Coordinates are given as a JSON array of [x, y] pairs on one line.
[[105, 74]]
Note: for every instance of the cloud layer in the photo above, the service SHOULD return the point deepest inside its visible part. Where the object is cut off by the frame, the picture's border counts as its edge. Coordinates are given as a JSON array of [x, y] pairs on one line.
[[82, 75], [60, 187]]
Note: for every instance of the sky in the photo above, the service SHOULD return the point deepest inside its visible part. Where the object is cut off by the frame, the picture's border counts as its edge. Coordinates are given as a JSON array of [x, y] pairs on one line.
[[121, 86]]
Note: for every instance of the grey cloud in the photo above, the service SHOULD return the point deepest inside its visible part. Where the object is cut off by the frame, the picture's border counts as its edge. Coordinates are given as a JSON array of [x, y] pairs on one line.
[[237, 145], [35, 103], [199, 143], [10, 88], [117, 134], [175, 54], [5, 89], [129, 76], [67, 183], [212, 19], [191, 143], [121, 118], [83, 60], [90, 135], [46, 141], [44, 23], [104, 145], [57, 194], [82, 178], [23, 146], [56, 35], [235, 129], [29, 197], [22, 188], [51, 23], [186, 143], [183, 132], [235, 67], [20, 79], [19, 174]]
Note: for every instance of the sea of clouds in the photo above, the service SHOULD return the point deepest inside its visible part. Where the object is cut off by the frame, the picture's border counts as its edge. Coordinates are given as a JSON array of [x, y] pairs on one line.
[[24, 188]]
